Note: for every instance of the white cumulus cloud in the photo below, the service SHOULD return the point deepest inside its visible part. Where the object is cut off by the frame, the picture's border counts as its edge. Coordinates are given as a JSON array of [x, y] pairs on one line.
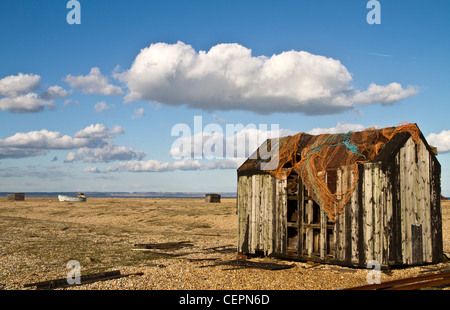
[[27, 103], [384, 95], [440, 140], [54, 92], [99, 131], [93, 144], [229, 77], [93, 83], [17, 94], [107, 153], [15, 85]]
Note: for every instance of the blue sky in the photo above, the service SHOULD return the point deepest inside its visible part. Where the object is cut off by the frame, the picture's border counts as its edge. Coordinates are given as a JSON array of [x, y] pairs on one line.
[[82, 110]]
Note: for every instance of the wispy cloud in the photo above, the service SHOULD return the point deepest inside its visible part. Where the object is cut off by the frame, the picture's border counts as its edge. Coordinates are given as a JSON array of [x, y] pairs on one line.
[[93, 83], [380, 55], [341, 127], [36, 171], [107, 153], [138, 113], [93, 144], [185, 164], [102, 106], [91, 169]]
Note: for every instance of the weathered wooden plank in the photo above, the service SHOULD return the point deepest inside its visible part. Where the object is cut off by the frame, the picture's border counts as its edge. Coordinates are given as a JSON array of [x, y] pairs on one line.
[[403, 201], [408, 203], [280, 217], [276, 217], [412, 201], [368, 213], [419, 201], [426, 223], [323, 235], [283, 213], [257, 199], [84, 279], [388, 221], [347, 179], [354, 223], [435, 211], [241, 213], [255, 213], [248, 212], [415, 282], [270, 211], [385, 220], [396, 253], [267, 207], [264, 209], [376, 192], [340, 255], [263, 213], [301, 206], [309, 230], [323, 230]]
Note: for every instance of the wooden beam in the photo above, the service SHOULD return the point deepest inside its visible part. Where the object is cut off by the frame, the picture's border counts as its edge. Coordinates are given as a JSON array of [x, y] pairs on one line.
[[417, 282], [84, 279]]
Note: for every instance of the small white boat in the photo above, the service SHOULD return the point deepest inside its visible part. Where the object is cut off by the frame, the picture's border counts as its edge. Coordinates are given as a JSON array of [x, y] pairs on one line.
[[79, 197]]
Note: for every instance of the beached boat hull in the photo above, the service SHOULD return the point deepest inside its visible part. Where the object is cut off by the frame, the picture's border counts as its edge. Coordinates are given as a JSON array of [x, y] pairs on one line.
[[70, 198]]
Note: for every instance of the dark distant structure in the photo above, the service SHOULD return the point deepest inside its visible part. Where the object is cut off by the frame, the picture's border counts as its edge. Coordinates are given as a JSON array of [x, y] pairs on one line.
[[212, 198], [16, 196]]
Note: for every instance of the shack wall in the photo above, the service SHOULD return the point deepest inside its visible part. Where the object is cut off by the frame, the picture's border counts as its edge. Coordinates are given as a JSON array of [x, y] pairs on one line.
[[262, 214], [393, 216], [212, 198], [417, 190]]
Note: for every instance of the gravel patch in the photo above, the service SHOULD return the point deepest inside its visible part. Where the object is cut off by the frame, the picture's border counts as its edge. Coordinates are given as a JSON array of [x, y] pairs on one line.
[[40, 235]]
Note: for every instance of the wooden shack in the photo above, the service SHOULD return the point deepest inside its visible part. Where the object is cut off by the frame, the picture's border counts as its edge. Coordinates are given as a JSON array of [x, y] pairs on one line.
[[212, 198], [16, 196], [344, 199]]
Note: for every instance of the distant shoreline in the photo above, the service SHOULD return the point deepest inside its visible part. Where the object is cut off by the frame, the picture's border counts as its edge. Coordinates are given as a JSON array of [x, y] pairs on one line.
[[126, 194]]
